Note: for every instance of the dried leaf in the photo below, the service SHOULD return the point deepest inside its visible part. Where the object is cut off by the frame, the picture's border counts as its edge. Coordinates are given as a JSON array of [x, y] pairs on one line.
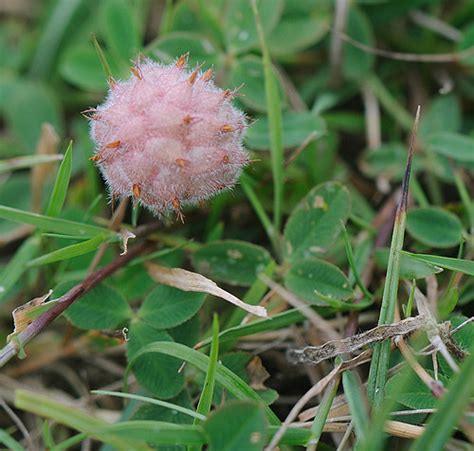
[[257, 373], [26, 313], [47, 145], [190, 281]]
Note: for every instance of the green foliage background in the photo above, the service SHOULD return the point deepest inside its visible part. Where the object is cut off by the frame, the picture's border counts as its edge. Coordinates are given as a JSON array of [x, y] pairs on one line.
[[329, 142]]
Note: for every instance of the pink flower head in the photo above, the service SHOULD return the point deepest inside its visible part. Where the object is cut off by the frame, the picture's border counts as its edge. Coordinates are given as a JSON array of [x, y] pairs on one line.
[[168, 137]]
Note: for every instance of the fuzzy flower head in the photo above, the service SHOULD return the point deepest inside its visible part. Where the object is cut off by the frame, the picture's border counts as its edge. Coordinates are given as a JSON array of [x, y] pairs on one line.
[[168, 137]]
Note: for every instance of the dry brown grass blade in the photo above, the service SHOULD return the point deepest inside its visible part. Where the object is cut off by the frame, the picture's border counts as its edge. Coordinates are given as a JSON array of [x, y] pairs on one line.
[[48, 144], [191, 281]]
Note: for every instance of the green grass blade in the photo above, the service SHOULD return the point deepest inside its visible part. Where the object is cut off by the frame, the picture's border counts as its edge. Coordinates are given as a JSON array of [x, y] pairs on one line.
[[49, 224], [453, 264], [58, 196], [390, 103], [156, 432], [15, 268], [466, 199], [70, 442], [381, 355], [246, 183], [276, 322], [357, 404], [7, 440], [74, 250], [26, 162], [72, 417], [323, 412], [230, 381], [275, 123], [156, 402], [52, 36], [205, 401], [450, 408], [351, 260], [102, 59]]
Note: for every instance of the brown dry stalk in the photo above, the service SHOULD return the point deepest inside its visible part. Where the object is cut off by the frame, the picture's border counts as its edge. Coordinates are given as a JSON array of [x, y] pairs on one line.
[[453, 57], [333, 348], [40, 323]]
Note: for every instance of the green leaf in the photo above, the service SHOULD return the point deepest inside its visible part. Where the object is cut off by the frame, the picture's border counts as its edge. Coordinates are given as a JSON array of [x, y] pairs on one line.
[[157, 402], [49, 224], [28, 161], [315, 223], [103, 307], [388, 161], [278, 321], [273, 100], [409, 268], [154, 432], [231, 261], [15, 191], [464, 337], [205, 401], [323, 411], [53, 33], [467, 42], [182, 411], [187, 333], [357, 63], [167, 307], [248, 72], [434, 227], [357, 403], [306, 27], [444, 115], [58, 196], [17, 265], [296, 126], [68, 252], [157, 373], [30, 105], [450, 408], [381, 354], [118, 23], [239, 24], [11, 444], [224, 376], [74, 418], [237, 426], [312, 277], [453, 264], [173, 45], [453, 145], [416, 395], [81, 67]]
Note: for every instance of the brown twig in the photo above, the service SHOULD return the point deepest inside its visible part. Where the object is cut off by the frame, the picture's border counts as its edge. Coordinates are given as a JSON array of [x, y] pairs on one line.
[[453, 57], [40, 323]]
